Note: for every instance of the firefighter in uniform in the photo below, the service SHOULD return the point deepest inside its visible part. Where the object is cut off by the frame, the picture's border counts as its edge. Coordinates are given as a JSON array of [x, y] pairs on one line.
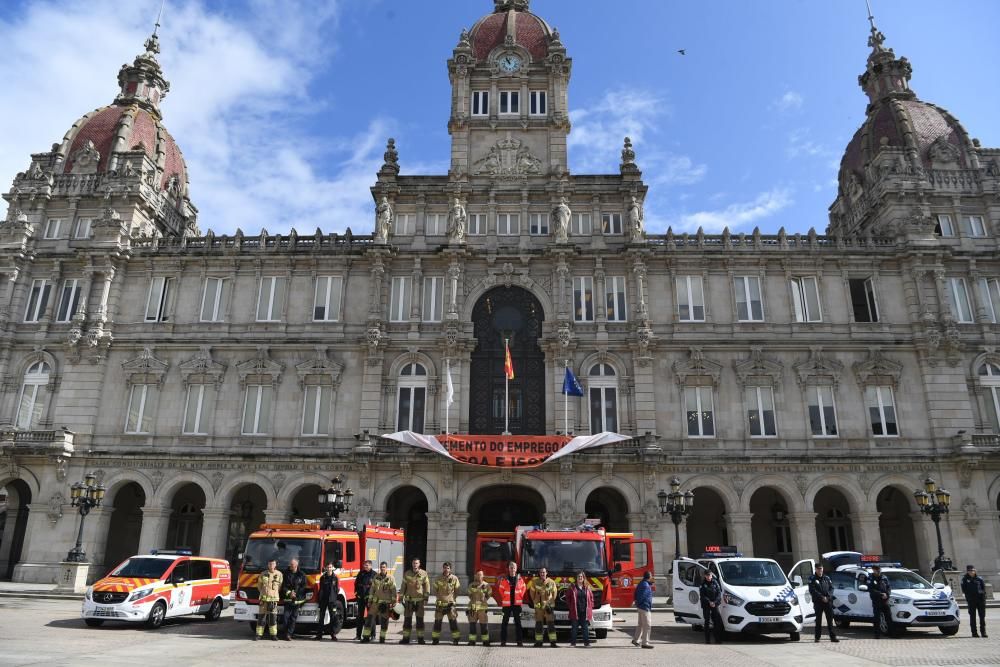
[[710, 593], [362, 587], [381, 598], [821, 591], [479, 601], [269, 586], [509, 592], [445, 589], [293, 590], [416, 590], [879, 591], [543, 592]]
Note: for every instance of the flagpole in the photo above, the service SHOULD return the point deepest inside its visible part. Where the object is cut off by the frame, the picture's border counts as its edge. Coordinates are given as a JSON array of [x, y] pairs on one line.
[[566, 401], [447, 406], [506, 389]]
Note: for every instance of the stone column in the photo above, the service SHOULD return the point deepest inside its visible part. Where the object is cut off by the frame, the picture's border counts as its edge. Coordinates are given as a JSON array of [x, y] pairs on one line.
[[215, 532], [95, 537], [926, 541], [277, 516], [804, 542], [155, 521], [740, 532], [867, 536]]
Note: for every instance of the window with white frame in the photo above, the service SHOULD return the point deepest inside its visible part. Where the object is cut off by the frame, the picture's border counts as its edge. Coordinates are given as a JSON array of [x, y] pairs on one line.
[[316, 411], [197, 407], [69, 300], [480, 103], [972, 225], [53, 227], [881, 411], [38, 300], [34, 396], [961, 308], [508, 224], [700, 412], [326, 301], [822, 411], [614, 292], [433, 306], [257, 409], [989, 379], [749, 302], [411, 398], [213, 300], [399, 299], [404, 224], [81, 229], [270, 299], [510, 102], [611, 223], [944, 226], [435, 224], [539, 103], [863, 301], [805, 299], [690, 299], [477, 224], [538, 224], [141, 403], [580, 224], [760, 412], [159, 298], [989, 293], [602, 384], [583, 299]]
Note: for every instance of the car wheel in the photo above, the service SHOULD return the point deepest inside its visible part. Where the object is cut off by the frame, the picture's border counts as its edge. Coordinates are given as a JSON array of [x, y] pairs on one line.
[[948, 630], [794, 636], [157, 615], [98, 622], [601, 634], [215, 611], [842, 623]]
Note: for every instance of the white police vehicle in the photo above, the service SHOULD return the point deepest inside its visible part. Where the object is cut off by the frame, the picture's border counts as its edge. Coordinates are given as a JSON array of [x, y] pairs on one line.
[[913, 603], [757, 597]]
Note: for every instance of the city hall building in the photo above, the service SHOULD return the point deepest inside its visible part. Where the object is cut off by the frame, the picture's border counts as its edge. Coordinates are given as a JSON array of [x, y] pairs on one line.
[[802, 386]]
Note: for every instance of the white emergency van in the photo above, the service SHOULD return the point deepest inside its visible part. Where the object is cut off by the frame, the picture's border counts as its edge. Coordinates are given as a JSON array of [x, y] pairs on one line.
[[757, 596]]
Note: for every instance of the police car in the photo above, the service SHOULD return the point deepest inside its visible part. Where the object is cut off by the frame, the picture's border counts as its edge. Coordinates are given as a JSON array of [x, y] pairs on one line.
[[165, 584], [913, 603], [757, 597]]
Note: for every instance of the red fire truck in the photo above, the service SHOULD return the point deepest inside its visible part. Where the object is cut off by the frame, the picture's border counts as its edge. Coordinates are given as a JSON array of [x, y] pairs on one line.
[[613, 562], [342, 544]]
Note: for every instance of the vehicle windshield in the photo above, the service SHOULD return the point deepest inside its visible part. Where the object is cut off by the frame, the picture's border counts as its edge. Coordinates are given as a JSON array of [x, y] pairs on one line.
[[143, 568], [282, 549], [752, 573], [564, 557], [900, 580]]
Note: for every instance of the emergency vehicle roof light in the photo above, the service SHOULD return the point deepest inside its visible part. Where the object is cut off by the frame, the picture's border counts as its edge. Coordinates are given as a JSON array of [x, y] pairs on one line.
[[170, 552], [716, 551]]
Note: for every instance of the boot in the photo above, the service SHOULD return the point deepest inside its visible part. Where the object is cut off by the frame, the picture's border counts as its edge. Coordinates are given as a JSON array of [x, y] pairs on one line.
[[404, 640], [420, 640], [434, 642], [256, 637], [454, 641]]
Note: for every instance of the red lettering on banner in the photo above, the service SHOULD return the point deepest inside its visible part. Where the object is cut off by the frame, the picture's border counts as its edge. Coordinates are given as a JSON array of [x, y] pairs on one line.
[[503, 451]]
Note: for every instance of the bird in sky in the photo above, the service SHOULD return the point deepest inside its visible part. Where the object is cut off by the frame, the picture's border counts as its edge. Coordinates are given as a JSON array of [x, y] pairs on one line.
[[682, 52]]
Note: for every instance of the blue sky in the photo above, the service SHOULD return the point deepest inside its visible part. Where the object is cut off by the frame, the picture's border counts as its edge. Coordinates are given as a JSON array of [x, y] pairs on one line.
[[282, 108]]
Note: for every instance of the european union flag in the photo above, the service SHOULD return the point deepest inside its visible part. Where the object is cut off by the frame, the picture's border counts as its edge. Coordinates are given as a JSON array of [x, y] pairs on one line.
[[571, 387]]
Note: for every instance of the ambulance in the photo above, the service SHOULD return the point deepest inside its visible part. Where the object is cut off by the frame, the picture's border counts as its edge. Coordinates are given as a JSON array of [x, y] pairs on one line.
[[757, 597], [913, 603], [165, 584]]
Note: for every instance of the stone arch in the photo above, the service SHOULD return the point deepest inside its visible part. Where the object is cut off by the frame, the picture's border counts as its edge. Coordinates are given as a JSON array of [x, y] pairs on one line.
[[770, 501], [128, 497], [906, 485], [122, 478], [36, 356], [855, 497], [484, 286], [287, 492], [706, 524], [730, 499], [14, 535], [502, 506], [29, 478], [610, 505], [407, 508], [225, 494], [391, 485], [892, 498], [187, 503], [615, 360], [994, 493], [834, 513], [401, 360], [622, 486], [532, 481], [784, 486], [165, 493]]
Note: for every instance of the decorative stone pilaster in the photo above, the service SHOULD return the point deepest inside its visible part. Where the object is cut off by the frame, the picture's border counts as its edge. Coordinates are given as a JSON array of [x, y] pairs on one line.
[[155, 521], [867, 536], [804, 543], [215, 531]]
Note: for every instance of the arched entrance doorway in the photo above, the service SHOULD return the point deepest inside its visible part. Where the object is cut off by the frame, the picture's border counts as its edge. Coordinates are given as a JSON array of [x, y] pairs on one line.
[[899, 542], [16, 497], [772, 532], [833, 521], [186, 518], [610, 507], [499, 509], [406, 508], [247, 507], [706, 524], [511, 313], [125, 524], [305, 504]]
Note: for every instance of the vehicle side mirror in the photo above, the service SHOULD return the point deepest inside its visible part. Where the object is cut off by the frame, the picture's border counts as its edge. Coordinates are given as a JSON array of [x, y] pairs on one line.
[[338, 563], [178, 580], [618, 567], [863, 588], [797, 580], [939, 586]]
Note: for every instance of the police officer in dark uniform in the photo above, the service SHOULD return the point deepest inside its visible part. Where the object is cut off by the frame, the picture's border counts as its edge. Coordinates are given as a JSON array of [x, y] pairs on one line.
[[711, 597], [821, 591], [362, 587], [974, 589], [879, 591]]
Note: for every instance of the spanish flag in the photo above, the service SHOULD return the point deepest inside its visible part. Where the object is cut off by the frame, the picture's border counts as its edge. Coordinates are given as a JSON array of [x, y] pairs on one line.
[[508, 364]]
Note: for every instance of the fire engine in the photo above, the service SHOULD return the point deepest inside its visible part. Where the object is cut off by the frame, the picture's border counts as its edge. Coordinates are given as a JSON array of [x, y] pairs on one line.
[[341, 543], [613, 562]]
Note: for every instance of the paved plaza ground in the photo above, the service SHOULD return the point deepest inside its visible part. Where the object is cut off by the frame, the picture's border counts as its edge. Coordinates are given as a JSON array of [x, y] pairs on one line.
[[49, 632]]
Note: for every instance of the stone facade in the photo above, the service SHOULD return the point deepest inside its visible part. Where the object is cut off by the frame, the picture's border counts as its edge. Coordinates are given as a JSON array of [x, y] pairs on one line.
[[802, 385]]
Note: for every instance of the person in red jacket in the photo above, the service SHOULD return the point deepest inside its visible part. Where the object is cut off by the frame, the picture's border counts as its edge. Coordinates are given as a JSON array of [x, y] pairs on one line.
[[509, 593], [580, 600]]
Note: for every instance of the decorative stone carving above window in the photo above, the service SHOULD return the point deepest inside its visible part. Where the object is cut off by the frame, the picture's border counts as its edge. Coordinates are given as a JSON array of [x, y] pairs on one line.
[[876, 369], [508, 158], [758, 367], [943, 151], [818, 369], [260, 369], [145, 369], [86, 159], [697, 366], [319, 370], [202, 369]]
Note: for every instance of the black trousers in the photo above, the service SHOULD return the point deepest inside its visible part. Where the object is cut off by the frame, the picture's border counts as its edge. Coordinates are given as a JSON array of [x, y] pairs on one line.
[[291, 614], [880, 609], [824, 609], [514, 611], [325, 605], [979, 607], [712, 617], [362, 611]]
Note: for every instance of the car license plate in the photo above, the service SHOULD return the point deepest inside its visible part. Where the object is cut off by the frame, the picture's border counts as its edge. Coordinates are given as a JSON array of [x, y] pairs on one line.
[[768, 619], [562, 615], [934, 613]]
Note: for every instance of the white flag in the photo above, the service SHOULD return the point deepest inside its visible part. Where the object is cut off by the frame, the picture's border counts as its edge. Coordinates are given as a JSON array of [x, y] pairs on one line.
[[450, 393]]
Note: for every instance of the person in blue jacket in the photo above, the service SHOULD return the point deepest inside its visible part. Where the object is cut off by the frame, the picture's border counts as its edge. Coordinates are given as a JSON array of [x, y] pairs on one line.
[[644, 606]]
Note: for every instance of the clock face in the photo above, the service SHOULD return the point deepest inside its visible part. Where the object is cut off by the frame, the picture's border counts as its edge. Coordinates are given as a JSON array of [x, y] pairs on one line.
[[510, 63]]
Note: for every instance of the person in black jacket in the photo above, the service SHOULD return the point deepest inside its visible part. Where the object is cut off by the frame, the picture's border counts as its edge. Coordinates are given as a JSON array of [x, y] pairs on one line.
[[329, 592], [711, 597], [821, 591], [879, 591], [362, 587], [293, 593], [974, 589]]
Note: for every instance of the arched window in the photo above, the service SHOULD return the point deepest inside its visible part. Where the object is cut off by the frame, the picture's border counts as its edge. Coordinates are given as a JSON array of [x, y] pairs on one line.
[[602, 384], [34, 396], [989, 378], [412, 396]]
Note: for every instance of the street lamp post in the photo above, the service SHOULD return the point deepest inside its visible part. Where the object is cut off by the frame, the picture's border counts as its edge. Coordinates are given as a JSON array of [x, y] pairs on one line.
[[334, 500], [678, 505], [935, 502], [84, 496]]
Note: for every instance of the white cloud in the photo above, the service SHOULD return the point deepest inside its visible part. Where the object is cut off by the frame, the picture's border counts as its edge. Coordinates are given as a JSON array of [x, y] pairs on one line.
[[790, 101], [800, 144], [737, 215]]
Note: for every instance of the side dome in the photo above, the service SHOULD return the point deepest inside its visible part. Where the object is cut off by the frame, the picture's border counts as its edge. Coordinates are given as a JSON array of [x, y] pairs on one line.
[[511, 23]]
